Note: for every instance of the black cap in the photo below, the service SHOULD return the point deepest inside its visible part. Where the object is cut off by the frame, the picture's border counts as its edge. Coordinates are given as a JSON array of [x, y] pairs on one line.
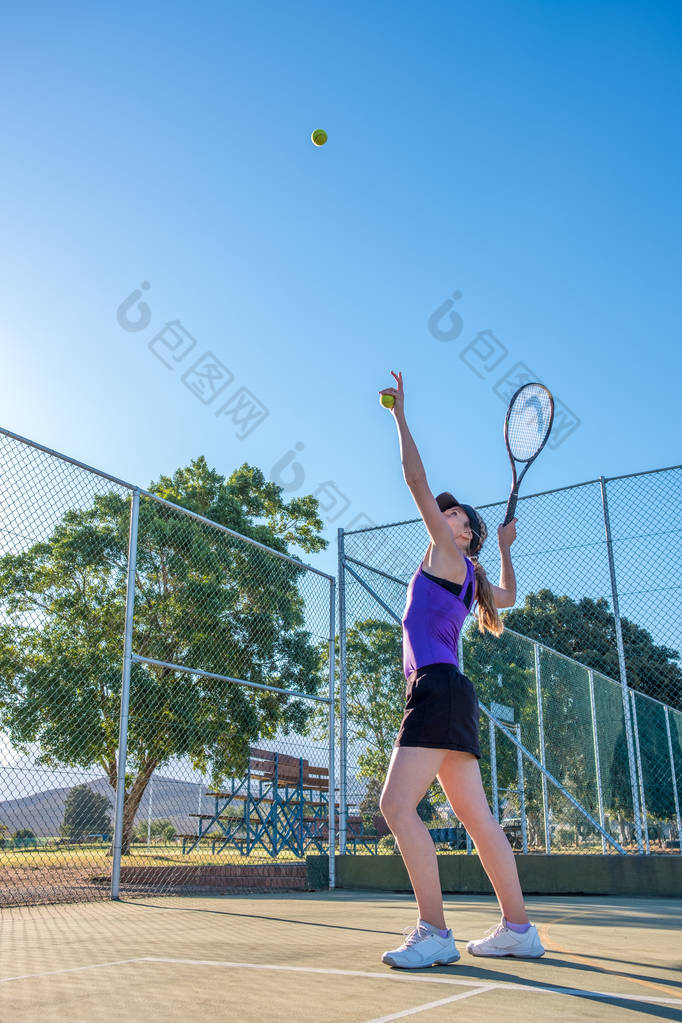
[[478, 527]]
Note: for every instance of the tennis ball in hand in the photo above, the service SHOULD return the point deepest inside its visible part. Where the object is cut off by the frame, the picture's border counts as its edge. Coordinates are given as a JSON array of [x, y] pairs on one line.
[[387, 400], [319, 137]]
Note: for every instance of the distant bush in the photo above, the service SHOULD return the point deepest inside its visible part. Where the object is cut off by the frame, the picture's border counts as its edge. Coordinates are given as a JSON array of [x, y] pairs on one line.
[[24, 837], [161, 830]]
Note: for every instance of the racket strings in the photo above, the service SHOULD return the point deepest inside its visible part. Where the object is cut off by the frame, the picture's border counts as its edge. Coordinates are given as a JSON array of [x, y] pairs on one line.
[[530, 419]]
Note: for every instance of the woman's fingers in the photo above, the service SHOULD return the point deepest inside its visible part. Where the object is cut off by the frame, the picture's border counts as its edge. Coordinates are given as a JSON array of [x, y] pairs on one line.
[[507, 534], [397, 393]]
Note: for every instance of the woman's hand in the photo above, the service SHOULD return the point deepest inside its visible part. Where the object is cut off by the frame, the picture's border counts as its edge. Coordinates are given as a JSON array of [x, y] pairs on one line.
[[397, 393], [506, 534]]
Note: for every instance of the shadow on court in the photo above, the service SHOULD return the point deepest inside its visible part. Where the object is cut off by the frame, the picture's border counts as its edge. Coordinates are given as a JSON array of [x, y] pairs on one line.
[[316, 958]]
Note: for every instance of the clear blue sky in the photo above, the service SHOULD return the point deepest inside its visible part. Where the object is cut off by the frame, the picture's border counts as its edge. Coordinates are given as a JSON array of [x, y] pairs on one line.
[[526, 155]]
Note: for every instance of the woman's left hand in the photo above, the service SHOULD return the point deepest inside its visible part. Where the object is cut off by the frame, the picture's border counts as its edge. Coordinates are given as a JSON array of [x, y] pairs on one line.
[[397, 393], [507, 534]]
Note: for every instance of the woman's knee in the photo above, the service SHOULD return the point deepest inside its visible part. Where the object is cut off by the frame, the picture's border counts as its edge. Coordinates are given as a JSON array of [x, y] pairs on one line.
[[393, 805], [387, 804]]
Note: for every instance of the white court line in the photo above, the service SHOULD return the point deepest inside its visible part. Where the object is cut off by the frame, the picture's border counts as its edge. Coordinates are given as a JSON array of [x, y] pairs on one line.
[[429, 1005], [391, 976], [70, 969], [536, 988]]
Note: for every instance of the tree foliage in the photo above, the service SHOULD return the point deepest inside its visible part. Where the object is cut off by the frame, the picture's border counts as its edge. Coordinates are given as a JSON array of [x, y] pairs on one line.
[[159, 830], [203, 599], [85, 813], [23, 833], [585, 630]]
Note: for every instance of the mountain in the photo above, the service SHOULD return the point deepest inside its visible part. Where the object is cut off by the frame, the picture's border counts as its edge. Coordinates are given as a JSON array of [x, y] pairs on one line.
[[43, 812]]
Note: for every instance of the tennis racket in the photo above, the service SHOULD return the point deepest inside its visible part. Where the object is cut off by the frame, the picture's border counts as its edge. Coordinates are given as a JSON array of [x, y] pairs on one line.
[[528, 424]]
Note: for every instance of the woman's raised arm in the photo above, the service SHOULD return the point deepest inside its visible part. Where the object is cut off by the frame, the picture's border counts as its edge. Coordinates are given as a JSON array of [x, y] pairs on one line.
[[505, 593], [415, 476]]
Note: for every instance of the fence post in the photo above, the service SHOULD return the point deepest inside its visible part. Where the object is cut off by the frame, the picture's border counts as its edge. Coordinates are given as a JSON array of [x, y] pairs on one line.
[[541, 732], [638, 758], [493, 771], [460, 657], [597, 766], [673, 775], [621, 666], [342, 697], [522, 790], [332, 737], [125, 693]]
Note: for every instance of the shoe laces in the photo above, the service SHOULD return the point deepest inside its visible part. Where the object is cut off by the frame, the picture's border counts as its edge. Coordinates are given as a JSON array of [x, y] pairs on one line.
[[495, 931], [413, 935]]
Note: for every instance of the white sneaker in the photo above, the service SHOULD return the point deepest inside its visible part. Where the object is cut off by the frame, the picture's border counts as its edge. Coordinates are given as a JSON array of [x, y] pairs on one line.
[[423, 946], [504, 942]]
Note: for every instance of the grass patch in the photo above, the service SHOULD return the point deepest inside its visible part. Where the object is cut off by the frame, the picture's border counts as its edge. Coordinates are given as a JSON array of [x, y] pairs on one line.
[[96, 856]]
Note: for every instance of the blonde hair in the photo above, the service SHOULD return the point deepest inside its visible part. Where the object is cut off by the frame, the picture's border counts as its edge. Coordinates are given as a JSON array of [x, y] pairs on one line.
[[488, 616]]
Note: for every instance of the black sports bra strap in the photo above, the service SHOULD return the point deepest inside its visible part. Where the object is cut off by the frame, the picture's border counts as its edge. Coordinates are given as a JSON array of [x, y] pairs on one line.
[[456, 588], [447, 584]]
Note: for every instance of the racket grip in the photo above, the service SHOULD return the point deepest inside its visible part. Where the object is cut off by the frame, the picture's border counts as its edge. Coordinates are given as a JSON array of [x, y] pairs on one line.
[[511, 508]]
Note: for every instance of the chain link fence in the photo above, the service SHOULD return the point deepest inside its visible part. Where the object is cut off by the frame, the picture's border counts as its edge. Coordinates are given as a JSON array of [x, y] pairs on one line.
[[165, 711], [581, 696]]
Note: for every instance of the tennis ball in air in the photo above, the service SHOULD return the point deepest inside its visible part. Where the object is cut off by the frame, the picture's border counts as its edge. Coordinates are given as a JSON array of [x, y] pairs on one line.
[[387, 400], [319, 137]]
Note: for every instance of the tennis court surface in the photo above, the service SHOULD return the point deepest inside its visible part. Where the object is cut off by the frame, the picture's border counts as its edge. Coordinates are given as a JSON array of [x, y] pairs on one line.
[[316, 957]]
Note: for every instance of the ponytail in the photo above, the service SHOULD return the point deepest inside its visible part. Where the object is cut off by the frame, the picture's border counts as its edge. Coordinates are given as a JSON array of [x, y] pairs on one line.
[[488, 617]]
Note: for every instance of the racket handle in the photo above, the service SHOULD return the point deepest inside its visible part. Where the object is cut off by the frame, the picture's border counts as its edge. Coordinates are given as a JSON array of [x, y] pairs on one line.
[[511, 508]]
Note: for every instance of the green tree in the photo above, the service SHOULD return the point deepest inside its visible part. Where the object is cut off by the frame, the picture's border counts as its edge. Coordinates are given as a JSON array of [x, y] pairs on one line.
[[585, 630], [85, 813], [202, 598], [4, 835], [24, 837]]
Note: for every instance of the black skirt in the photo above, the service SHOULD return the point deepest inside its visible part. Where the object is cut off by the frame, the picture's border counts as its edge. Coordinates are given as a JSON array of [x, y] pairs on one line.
[[441, 710]]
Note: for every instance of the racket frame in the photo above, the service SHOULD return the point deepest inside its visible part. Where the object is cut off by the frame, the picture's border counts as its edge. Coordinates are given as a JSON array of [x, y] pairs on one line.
[[516, 481]]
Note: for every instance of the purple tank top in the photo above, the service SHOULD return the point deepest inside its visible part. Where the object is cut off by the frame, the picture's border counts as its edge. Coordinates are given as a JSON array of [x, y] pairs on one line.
[[432, 621]]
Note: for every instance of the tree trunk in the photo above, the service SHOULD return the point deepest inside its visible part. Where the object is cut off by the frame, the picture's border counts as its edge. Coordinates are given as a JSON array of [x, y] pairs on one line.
[[625, 828], [131, 803], [533, 823]]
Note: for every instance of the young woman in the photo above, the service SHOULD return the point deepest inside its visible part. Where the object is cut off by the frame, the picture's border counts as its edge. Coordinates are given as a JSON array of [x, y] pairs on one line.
[[438, 737]]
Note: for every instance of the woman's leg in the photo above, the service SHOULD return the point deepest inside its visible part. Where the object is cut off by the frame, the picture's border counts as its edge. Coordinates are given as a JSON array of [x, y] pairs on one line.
[[410, 772], [460, 778]]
